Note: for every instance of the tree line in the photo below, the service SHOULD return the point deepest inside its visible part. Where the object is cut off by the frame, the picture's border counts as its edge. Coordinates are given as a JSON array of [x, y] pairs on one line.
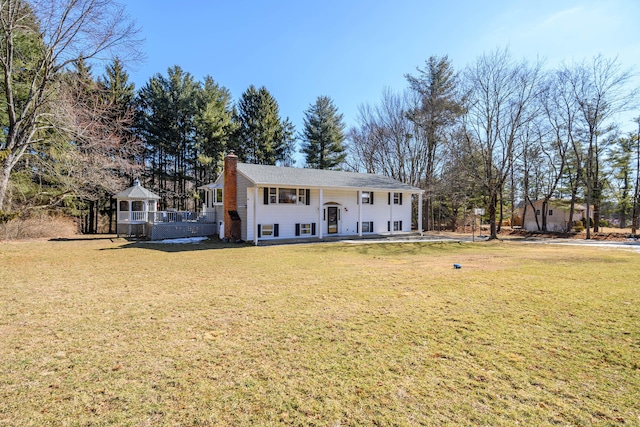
[[72, 140], [186, 127], [503, 133], [499, 134]]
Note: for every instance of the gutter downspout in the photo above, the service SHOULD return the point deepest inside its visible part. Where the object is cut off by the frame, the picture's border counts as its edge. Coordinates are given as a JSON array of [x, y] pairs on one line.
[[420, 230], [320, 224], [391, 212]]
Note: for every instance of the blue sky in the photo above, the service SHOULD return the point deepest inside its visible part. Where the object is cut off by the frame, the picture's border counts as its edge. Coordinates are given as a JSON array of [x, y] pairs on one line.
[[351, 50]]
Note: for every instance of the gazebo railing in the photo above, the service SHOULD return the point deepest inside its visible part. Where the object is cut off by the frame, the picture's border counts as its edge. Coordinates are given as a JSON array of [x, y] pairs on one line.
[[133, 216]]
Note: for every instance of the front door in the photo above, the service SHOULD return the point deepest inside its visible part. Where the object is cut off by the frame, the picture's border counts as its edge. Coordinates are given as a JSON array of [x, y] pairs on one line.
[[332, 220]]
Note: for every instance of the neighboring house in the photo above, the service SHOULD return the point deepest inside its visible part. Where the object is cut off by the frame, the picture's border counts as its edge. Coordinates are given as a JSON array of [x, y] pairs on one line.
[[557, 215], [258, 202]]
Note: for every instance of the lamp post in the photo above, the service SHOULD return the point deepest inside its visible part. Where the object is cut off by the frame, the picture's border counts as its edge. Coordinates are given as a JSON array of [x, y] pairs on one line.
[[476, 212]]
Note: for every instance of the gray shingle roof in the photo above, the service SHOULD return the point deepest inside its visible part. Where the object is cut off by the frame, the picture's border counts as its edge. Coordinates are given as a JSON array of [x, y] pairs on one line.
[[136, 192], [316, 178]]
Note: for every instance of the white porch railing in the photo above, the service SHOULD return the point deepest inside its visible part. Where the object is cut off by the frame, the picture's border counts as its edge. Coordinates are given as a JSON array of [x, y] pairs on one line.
[[163, 216], [172, 216], [132, 216]]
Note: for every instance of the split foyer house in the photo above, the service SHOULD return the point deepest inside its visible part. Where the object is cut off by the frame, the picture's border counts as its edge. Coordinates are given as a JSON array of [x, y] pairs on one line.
[[259, 202]]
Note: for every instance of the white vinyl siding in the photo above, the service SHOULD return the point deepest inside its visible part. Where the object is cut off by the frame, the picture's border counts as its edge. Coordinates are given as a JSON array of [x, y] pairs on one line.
[[288, 215]]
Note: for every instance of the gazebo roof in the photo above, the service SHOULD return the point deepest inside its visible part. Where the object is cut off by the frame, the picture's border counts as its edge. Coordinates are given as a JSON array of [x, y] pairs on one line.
[[136, 192]]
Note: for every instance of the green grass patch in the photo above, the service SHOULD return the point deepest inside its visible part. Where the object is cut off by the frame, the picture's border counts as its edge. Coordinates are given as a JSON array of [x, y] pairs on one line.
[[114, 333]]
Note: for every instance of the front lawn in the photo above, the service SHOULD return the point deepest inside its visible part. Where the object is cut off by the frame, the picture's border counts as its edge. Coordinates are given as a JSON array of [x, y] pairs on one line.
[[98, 333]]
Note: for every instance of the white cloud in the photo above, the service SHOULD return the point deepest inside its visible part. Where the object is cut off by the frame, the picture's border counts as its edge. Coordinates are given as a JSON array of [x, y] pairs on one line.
[[560, 17]]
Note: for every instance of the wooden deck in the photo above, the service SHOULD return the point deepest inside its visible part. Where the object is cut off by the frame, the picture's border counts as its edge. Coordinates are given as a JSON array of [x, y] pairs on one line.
[[163, 225]]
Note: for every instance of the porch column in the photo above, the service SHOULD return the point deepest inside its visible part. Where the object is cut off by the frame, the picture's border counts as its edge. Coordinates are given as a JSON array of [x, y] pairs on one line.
[[130, 207], [255, 215], [320, 225], [420, 213], [360, 213]]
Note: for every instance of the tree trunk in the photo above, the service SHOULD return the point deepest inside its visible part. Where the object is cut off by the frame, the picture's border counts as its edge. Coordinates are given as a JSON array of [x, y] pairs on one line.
[[5, 172], [596, 209], [588, 217], [97, 218], [535, 215], [493, 203], [454, 220], [634, 219], [90, 217], [501, 217], [111, 215], [427, 216]]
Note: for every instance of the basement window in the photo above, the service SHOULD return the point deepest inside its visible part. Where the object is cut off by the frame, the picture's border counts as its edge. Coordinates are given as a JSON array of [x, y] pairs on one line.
[[306, 229], [550, 212], [267, 230]]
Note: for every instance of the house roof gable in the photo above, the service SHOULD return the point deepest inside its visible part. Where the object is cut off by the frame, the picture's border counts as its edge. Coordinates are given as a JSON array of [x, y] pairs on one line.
[[318, 178]]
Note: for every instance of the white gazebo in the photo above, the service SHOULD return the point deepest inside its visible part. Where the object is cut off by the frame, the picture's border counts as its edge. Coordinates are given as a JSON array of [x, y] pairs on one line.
[[136, 206]]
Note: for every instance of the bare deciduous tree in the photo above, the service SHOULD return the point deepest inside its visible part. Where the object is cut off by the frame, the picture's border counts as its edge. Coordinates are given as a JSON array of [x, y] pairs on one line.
[[436, 108], [102, 144], [39, 40], [600, 90], [385, 141], [502, 95]]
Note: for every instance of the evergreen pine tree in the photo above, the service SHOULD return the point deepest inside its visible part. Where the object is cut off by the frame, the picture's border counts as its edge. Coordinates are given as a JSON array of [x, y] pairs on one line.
[[214, 126], [323, 135], [119, 91], [166, 120], [261, 136]]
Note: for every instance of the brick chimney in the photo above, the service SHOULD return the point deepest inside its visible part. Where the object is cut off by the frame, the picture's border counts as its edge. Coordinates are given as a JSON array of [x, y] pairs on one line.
[[232, 230]]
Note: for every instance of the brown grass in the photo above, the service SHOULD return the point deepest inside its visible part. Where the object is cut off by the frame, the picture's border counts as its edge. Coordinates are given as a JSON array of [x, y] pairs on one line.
[[38, 226], [115, 333]]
